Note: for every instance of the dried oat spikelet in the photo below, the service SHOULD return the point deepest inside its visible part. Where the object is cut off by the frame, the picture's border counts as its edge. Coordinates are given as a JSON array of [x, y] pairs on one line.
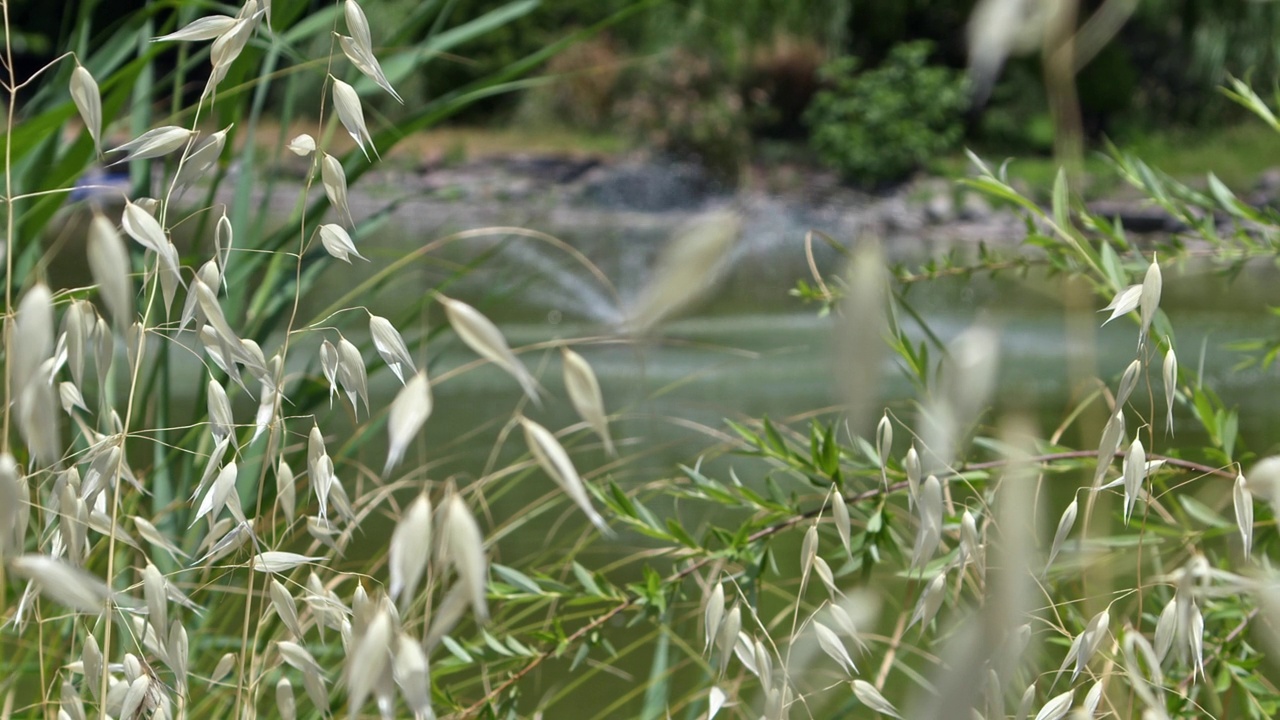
[[84, 92], [483, 337], [205, 28], [584, 393], [109, 263], [334, 180], [1149, 300], [834, 648], [1125, 301], [338, 243], [390, 345], [1243, 501], [1065, 524], [553, 459], [154, 143], [462, 545], [868, 695], [1170, 372], [350, 113], [409, 551], [359, 48]]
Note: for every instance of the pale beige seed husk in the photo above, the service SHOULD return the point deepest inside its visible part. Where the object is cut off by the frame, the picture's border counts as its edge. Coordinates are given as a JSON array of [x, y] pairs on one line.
[[219, 492], [302, 145], [808, 551], [1058, 707], [1195, 636], [154, 143], [1090, 640], [727, 636], [930, 601], [134, 697], [583, 388], [1149, 301], [338, 243], [286, 494], [1092, 698], [358, 26], [911, 463], [228, 46], [282, 602], [70, 397], [286, 705], [335, 186], [1126, 301], [202, 158], [484, 338], [351, 114], [971, 543], [77, 327], [178, 651], [868, 695], [412, 674], [1128, 382], [221, 422], [712, 614], [689, 265], [929, 529], [715, 701], [32, 335], [1112, 435], [390, 345], [322, 483], [409, 551], [38, 420], [827, 577], [1135, 464], [831, 645], [155, 593], [553, 459], [67, 585], [840, 513], [1065, 524], [368, 664], [277, 561], [351, 373], [205, 28], [84, 92], [463, 546], [409, 412], [368, 65], [1170, 372], [1242, 499], [12, 497]]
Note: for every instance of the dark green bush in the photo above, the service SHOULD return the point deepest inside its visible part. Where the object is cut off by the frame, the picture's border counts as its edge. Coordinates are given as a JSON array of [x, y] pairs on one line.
[[879, 125]]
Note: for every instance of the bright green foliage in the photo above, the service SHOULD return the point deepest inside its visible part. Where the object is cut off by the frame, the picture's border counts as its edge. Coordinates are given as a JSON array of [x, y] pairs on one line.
[[878, 125]]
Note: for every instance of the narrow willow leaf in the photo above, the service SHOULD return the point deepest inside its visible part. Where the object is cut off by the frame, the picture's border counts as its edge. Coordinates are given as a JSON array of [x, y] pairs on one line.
[[205, 28], [338, 243], [831, 645], [930, 601], [884, 446], [712, 614], [335, 186], [302, 145], [84, 92], [390, 345], [553, 459], [463, 546], [1126, 301], [727, 636], [286, 494], [584, 393], [868, 695], [1150, 296], [1170, 384], [1135, 465], [286, 705], [409, 550], [1065, 523], [484, 338], [351, 374], [1243, 501], [1127, 383], [154, 143], [275, 561], [350, 113], [1058, 707], [840, 513]]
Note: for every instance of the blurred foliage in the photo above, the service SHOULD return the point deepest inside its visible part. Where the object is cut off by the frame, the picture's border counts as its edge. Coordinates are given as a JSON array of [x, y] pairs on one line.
[[879, 125]]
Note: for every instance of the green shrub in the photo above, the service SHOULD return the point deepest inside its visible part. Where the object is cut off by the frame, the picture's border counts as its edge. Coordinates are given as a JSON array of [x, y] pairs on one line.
[[879, 125]]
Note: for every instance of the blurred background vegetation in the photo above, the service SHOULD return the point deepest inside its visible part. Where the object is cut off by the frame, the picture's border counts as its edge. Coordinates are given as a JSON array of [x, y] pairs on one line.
[[731, 82]]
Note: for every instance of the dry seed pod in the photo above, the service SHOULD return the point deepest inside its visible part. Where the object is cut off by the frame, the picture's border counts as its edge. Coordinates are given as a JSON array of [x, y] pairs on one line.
[[359, 48], [831, 645], [38, 420], [335, 186], [205, 28], [911, 463], [390, 345], [868, 695], [286, 495], [463, 546], [1126, 301], [1170, 383], [1134, 472], [351, 374], [408, 553], [1065, 523], [884, 446], [84, 91], [712, 614], [329, 364], [1058, 707], [302, 145], [715, 701], [338, 243], [347, 103], [484, 338], [553, 459], [1149, 299], [154, 143], [1243, 501], [155, 593], [584, 393], [221, 423], [727, 636], [228, 46], [1112, 434], [284, 606], [1090, 640]]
